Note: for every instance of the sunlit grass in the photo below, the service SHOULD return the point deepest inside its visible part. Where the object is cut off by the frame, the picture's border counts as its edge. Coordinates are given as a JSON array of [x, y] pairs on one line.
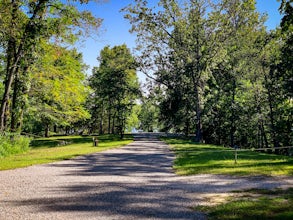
[[192, 158], [253, 204], [46, 150]]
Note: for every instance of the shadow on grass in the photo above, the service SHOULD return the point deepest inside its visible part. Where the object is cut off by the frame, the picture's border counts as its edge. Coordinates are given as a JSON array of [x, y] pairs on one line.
[[193, 158], [133, 184], [66, 140]]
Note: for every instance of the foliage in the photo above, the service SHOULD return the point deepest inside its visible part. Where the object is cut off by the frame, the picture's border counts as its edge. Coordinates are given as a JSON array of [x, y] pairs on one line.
[[58, 92], [254, 204], [13, 144], [286, 66], [219, 73], [194, 158], [24, 26], [149, 114], [133, 121], [47, 150], [115, 89]]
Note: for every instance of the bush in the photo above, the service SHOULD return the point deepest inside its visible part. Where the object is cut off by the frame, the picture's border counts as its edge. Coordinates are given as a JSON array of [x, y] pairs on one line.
[[13, 144]]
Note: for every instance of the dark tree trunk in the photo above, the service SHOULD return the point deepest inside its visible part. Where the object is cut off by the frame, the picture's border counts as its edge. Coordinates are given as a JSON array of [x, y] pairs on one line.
[[10, 75], [271, 114], [264, 136], [232, 118], [186, 129], [101, 122], [113, 123], [198, 137], [55, 128], [27, 40], [109, 120], [14, 112], [47, 130]]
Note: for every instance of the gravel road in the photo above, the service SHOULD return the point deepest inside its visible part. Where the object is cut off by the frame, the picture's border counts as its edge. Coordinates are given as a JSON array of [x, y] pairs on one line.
[[133, 182]]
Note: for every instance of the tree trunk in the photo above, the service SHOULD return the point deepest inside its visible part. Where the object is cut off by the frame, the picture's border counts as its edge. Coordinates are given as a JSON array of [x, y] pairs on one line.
[[232, 119], [187, 125], [101, 123], [109, 121], [11, 65], [26, 41], [47, 130], [11, 70], [264, 136], [271, 115], [14, 113], [198, 137], [113, 123]]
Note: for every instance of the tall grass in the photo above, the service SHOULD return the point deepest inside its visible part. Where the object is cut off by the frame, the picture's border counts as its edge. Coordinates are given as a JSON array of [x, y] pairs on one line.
[[13, 144]]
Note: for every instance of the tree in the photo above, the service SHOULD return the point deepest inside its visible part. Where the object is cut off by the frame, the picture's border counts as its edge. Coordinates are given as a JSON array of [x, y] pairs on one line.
[[115, 87], [24, 25], [221, 72], [149, 113], [133, 121], [182, 43], [57, 93], [286, 65], [179, 43]]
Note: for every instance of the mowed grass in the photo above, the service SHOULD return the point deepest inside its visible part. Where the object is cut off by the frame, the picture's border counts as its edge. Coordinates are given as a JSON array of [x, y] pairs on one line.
[[253, 204], [192, 158], [46, 150]]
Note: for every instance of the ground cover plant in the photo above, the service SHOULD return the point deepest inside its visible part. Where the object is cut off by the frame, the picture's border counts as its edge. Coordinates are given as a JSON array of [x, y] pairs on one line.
[[253, 204], [13, 144], [193, 158], [46, 150]]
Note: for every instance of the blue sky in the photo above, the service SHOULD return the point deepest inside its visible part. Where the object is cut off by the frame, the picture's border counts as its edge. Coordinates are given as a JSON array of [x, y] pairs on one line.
[[115, 28]]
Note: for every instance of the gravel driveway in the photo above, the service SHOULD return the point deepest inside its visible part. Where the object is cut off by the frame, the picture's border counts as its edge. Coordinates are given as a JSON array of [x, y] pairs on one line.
[[133, 182]]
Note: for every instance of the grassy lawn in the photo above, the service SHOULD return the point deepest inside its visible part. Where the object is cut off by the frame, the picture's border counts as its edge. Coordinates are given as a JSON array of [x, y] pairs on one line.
[[194, 158], [46, 150], [253, 204]]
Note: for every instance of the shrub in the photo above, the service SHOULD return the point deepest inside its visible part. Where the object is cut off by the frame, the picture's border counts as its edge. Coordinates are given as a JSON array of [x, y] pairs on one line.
[[13, 144]]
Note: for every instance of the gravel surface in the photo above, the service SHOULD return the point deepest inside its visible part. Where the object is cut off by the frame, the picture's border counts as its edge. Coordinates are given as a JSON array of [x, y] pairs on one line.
[[133, 182]]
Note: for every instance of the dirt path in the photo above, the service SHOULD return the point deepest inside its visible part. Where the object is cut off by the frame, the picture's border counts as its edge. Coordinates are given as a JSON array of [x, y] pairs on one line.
[[133, 182]]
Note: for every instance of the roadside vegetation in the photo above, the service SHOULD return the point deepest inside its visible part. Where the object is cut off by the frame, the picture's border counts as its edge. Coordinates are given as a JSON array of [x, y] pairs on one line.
[[253, 204], [13, 144], [47, 150], [192, 158]]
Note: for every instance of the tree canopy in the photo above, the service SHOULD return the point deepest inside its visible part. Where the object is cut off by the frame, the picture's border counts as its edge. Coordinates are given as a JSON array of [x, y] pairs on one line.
[[221, 74], [24, 24], [115, 87]]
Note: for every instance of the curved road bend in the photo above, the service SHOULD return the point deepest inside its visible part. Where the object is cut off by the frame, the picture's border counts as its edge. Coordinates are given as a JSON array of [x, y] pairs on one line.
[[133, 182]]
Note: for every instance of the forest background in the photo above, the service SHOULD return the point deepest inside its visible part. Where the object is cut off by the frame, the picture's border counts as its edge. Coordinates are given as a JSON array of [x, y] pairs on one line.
[[215, 70]]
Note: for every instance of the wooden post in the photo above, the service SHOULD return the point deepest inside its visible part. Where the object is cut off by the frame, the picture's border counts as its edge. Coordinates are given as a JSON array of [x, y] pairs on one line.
[[95, 141]]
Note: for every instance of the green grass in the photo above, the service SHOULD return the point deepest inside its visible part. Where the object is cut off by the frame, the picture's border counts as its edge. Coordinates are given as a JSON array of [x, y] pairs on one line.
[[253, 204], [211, 159], [46, 150]]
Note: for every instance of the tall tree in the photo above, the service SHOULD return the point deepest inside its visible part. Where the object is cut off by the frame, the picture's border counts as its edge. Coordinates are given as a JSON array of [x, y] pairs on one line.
[[115, 87], [179, 42], [286, 65], [25, 23], [58, 94]]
